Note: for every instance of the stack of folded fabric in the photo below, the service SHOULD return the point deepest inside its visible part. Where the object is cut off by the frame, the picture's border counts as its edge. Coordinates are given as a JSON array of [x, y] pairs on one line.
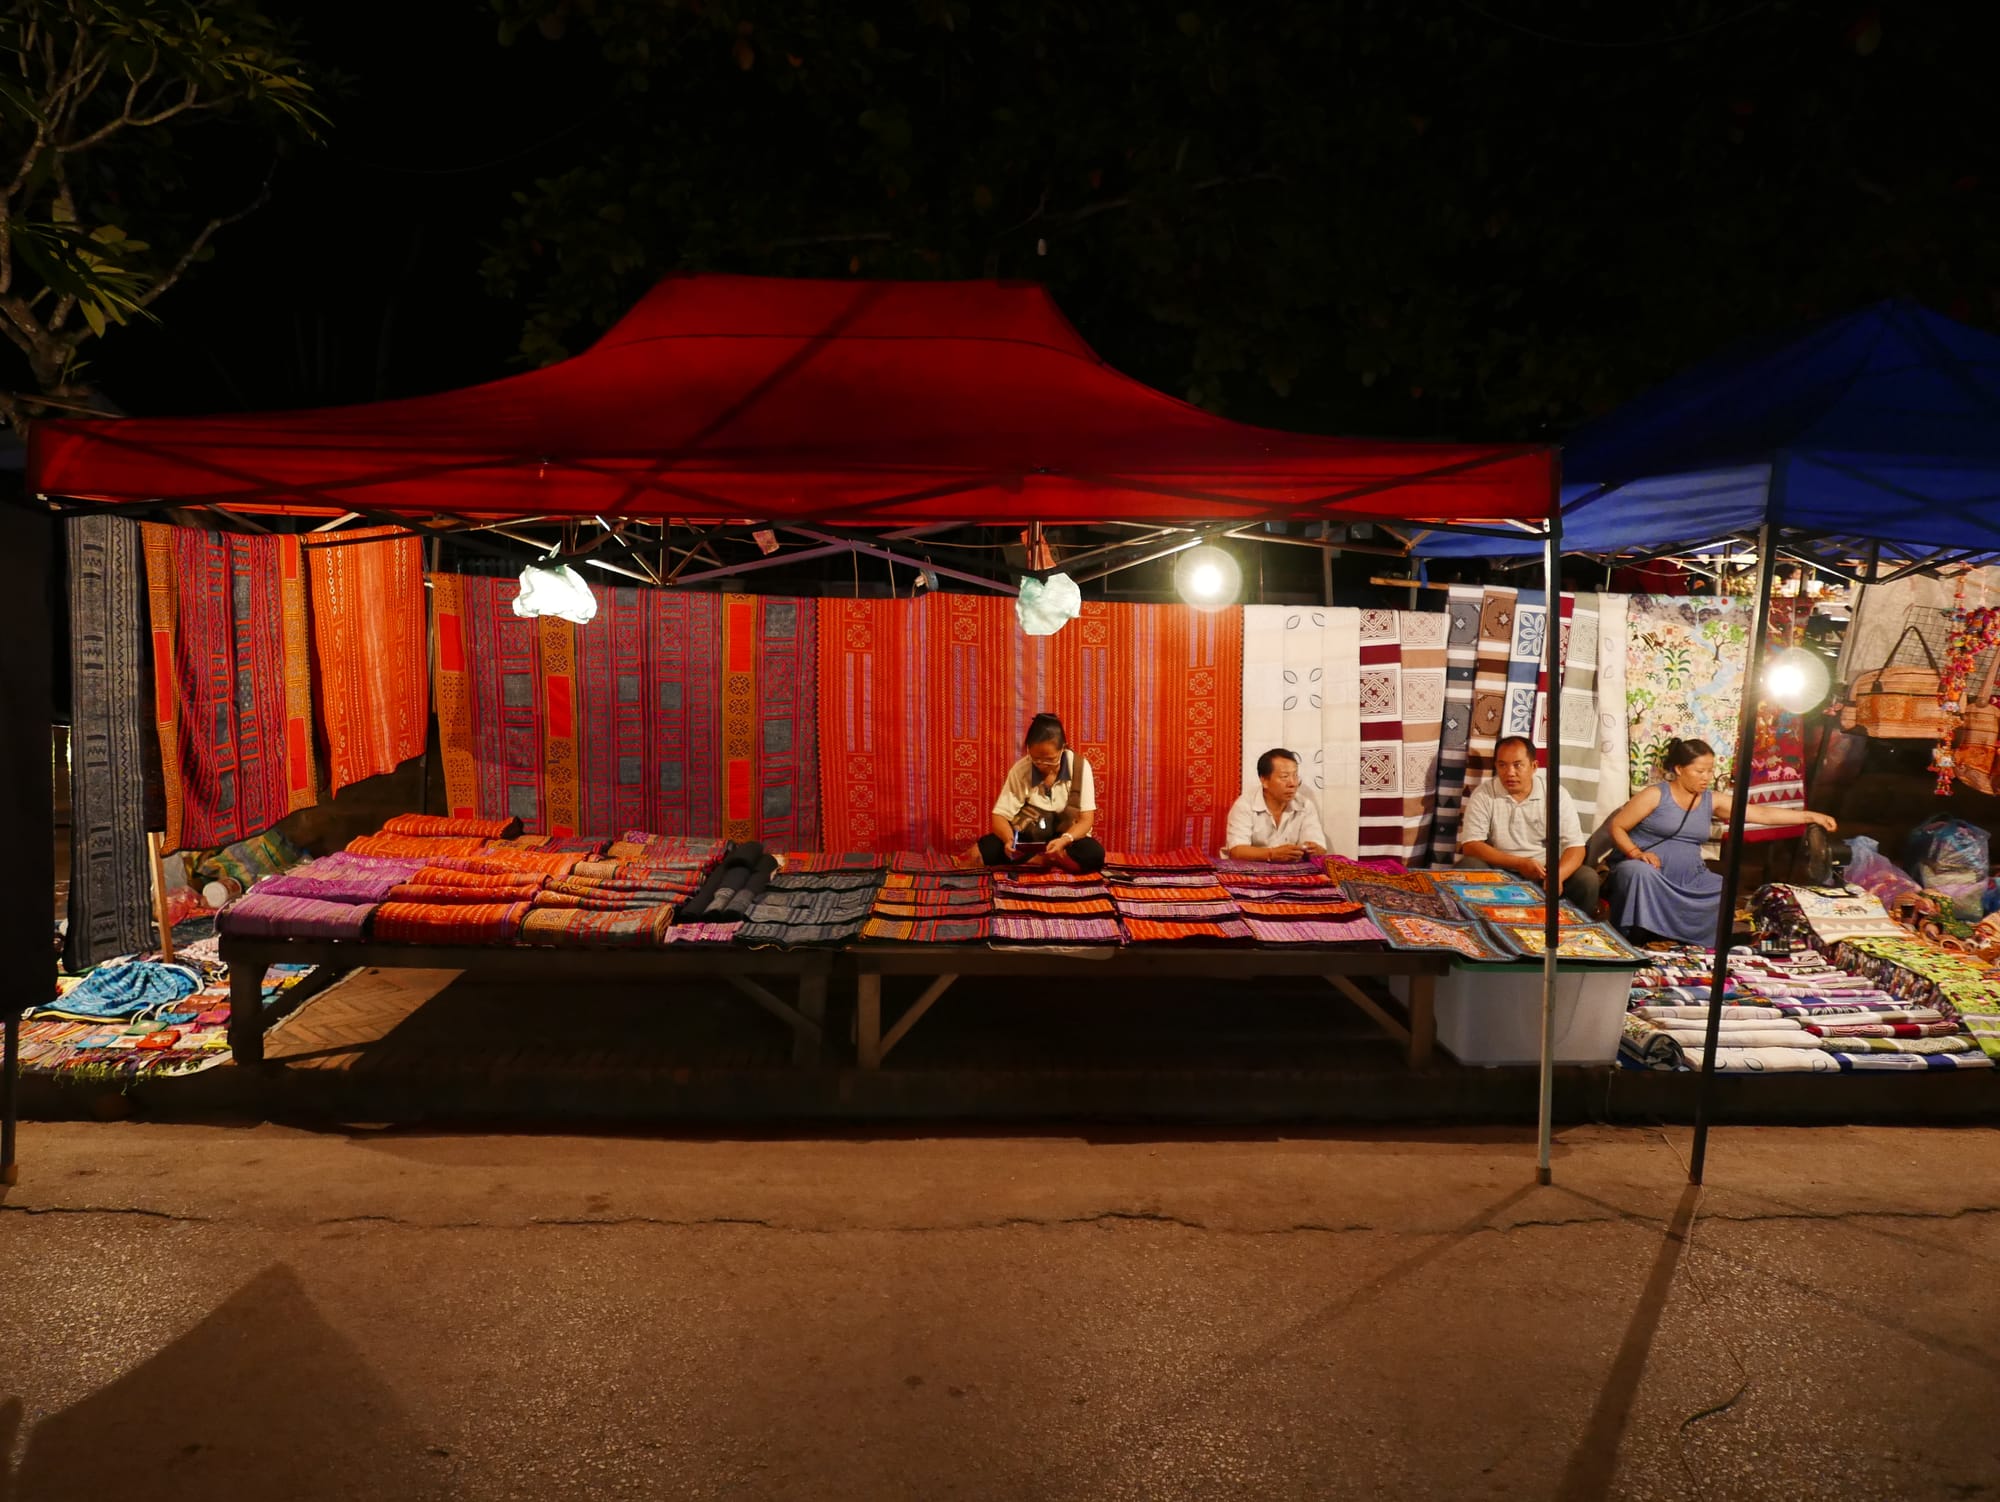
[[1916, 972], [428, 836], [330, 898], [495, 921], [1296, 903], [551, 844], [718, 907], [1749, 1042], [628, 903], [1053, 907], [667, 849], [1396, 891], [951, 905], [814, 899], [1172, 898], [1833, 914]]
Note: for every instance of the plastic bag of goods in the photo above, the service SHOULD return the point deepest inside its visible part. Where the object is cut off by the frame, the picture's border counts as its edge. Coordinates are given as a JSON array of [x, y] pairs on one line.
[[1874, 872], [1950, 855]]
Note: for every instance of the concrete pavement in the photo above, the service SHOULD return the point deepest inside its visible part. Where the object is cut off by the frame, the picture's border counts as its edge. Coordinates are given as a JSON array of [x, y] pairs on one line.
[[266, 1312]]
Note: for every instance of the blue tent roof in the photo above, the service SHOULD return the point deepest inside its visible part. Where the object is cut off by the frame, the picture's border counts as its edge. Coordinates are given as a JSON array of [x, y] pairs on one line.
[[1883, 424]]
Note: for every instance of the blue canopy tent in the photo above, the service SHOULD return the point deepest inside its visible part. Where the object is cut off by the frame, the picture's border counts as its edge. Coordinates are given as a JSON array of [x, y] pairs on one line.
[[1874, 434], [1869, 445]]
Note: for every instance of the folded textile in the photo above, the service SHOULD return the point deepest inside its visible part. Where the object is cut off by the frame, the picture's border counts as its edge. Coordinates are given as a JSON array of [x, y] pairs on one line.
[[1414, 931], [1955, 1043], [1473, 878], [585, 928], [1189, 912], [800, 862], [1083, 906], [1582, 942], [1743, 1037], [422, 847], [1124, 892], [702, 933], [1827, 1029], [1036, 928], [925, 860], [498, 862], [115, 990], [1885, 1062], [551, 844], [521, 882], [926, 930], [1355, 932], [1401, 900], [1336, 909], [430, 826], [593, 886], [1649, 1046], [936, 881], [823, 881], [1729, 1013], [260, 915], [1532, 914], [613, 902], [812, 906], [731, 891], [1260, 871], [1162, 931], [1187, 858], [419, 891], [1767, 1060], [335, 888], [1382, 876], [922, 910], [448, 923]]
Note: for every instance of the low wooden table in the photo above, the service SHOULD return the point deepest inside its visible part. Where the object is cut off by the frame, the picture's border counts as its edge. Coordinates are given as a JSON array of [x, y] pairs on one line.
[[945, 963], [739, 968]]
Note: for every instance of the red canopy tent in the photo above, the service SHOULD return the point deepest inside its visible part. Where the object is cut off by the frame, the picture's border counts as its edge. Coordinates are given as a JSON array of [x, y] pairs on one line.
[[764, 399]]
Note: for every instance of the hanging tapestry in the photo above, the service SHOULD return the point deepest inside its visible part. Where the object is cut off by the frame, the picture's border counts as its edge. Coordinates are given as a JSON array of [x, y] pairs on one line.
[[371, 657], [1423, 636], [1489, 683], [1579, 704], [924, 703], [231, 679], [1614, 757], [1777, 767], [1455, 730], [110, 893], [1381, 735], [684, 713], [1526, 658], [1683, 677], [1301, 690]]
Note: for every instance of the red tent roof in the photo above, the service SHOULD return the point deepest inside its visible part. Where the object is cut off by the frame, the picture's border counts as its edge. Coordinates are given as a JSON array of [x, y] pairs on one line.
[[752, 398]]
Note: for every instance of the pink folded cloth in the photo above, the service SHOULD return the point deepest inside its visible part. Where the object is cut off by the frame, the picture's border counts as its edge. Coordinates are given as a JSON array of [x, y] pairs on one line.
[[256, 915]]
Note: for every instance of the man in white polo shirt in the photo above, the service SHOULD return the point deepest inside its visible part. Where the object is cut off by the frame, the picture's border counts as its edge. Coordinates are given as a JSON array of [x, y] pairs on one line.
[[1505, 821], [1277, 822]]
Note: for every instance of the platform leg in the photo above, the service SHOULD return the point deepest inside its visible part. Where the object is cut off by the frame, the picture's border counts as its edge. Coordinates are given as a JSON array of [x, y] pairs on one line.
[[1423, 1020], [806, 1047], [868, 1021], [246, 1012]]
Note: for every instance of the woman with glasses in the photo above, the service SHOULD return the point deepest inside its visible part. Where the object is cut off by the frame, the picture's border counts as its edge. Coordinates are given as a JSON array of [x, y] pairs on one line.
[[1047, 805]]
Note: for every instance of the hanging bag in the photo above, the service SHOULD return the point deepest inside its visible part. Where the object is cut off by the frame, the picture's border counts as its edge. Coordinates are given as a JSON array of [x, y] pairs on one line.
[[1897, 703], [1979, 736]]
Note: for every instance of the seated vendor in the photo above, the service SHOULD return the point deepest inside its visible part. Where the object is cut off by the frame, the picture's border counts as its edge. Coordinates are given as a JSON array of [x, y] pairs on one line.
[[1659, 885], [1048, 804], [1277, 822], [1505, 826]]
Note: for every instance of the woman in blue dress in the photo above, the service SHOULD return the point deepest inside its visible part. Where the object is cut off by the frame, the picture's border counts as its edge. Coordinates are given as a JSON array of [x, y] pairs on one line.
[[1662, 886]]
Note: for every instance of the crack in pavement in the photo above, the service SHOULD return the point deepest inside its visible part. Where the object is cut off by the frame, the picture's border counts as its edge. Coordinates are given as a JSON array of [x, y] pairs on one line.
[[138, 1210]]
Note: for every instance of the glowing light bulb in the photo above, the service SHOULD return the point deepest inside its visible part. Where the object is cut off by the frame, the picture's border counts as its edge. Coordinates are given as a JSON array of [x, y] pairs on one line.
[[1207, 578], [1206, 581]]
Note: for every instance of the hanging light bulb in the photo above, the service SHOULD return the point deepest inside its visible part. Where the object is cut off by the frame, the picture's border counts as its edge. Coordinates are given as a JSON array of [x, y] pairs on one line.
[[1796, 680], [555, 589], [1207, 578]]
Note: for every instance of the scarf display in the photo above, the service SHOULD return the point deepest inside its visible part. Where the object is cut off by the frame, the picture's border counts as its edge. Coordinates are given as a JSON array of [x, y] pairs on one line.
[[1455, 727], [232, 681], [372, 653]]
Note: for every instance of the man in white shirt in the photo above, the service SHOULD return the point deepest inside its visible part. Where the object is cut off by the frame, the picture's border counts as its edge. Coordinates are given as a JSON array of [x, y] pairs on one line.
[[1277, 822], [1506, 819]]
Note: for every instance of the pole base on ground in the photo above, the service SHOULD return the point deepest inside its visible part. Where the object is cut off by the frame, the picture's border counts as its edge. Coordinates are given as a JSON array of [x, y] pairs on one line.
[[1545, 1176]]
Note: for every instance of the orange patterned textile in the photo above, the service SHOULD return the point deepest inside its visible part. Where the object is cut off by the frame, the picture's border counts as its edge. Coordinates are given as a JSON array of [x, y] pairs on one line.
[[369, 641], [923, 702]]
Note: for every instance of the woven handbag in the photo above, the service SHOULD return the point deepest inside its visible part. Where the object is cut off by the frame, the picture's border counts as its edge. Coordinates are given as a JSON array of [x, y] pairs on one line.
[[1897, 703], [1979, 737]]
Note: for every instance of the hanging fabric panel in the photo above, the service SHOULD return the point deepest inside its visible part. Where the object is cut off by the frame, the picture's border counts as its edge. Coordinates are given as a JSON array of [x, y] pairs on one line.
[[371, 656]]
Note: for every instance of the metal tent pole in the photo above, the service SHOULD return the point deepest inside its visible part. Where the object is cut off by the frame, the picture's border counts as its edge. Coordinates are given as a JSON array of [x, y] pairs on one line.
[[1552, 835], [1739, 805]]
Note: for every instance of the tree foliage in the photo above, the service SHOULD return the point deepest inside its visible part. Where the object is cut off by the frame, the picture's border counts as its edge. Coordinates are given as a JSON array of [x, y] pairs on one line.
[[104, 106], [1347, 214]]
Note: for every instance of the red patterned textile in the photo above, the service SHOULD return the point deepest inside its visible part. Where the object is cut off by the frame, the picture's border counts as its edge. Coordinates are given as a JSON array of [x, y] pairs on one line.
[[414, 891], [413, 847], [232, 681], [368, 619], [433, 826], [495, 881], [448, 923], [1155, 931], [490, 861], [585, 928], [923, 703]]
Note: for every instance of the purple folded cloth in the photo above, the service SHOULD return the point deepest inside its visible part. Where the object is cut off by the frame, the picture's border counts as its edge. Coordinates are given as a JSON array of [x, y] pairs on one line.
[[256, 915], [341, 878]]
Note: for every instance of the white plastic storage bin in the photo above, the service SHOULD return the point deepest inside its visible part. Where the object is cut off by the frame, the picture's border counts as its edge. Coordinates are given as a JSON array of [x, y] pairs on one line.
[[1492, 1014]]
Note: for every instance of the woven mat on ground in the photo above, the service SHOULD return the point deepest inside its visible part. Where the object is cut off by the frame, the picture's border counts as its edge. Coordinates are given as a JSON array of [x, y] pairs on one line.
[[232, 681], [448, 923], [585, 928], [684, 712], [371, 648], [111, 744], [941, 686], [1301, 667]]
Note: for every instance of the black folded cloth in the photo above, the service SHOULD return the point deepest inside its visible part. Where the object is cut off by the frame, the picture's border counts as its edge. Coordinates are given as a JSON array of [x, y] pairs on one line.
[[733, 887]]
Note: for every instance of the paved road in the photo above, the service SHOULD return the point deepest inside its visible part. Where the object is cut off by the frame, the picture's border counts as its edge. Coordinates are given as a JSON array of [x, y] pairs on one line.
[[262, 1312]]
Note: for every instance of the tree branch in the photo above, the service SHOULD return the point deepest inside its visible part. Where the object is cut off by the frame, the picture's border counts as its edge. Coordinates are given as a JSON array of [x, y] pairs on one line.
[[152, 293]]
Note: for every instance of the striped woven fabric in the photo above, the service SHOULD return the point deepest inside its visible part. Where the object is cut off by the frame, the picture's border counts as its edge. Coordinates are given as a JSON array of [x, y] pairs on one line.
[[517, 882], [585, 886], [1164, 878], [935, 881], [585, 928], [796, 861], [490, 861], [1339, 910], [417, 891], [885, 908], [449, 923], [1272, 871], [1033, 928], [1067, 907], [1189, 912], [702, 933], [1157, 931], [925, 860], [667, 849], [1124, 893], [257, 915], [926, 930], [824, 881], [432, 826], [1187, 858], [340, 878], [1354, 933], [612, 902], [414, 846], [551, 844]]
